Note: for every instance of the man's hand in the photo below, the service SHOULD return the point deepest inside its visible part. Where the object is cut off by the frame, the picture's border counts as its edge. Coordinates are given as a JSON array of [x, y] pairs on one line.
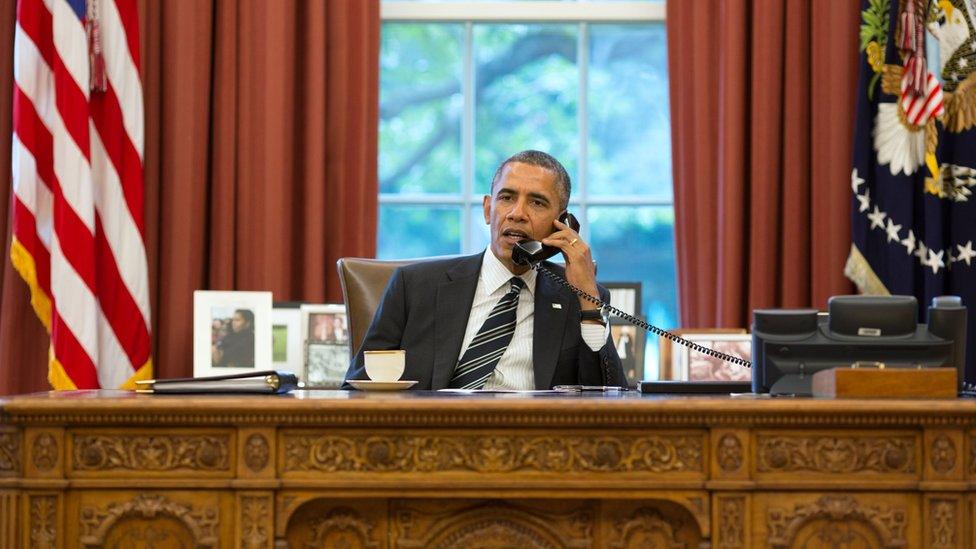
[[579, 262]]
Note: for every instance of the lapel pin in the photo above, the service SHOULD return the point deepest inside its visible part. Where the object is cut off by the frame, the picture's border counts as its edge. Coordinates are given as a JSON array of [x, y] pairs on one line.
[[557, 306]]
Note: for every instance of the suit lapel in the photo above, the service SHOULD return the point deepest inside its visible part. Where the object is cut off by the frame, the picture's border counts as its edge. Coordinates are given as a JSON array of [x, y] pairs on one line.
[[454, 298], [548, 330]]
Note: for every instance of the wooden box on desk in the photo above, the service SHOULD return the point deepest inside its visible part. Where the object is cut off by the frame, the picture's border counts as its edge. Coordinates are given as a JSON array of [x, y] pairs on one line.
[[873, 382]]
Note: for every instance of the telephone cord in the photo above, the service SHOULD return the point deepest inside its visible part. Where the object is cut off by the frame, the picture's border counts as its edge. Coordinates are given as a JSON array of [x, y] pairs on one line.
[[640, 323]]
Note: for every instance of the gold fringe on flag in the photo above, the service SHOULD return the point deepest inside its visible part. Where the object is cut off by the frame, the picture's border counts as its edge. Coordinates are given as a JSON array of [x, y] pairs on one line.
[[56, 376], [144, 372], [24, 265], [860, 273]]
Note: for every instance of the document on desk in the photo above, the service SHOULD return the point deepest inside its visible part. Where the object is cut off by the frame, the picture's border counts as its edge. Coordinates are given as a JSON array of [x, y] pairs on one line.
[[502, 391]]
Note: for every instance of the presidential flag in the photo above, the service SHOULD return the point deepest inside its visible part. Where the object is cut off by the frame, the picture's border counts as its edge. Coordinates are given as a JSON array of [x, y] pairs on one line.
[[78, 188], [914, 167]]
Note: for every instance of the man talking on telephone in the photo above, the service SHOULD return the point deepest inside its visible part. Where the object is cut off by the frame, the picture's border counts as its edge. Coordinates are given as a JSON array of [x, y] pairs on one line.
[[485, 322]]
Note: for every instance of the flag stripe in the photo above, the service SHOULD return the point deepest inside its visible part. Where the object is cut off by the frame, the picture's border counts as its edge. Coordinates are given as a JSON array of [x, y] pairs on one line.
[[75, 302], [114, 364], [126, 163], [35, 20], [129, 17], [120, 233], [32, 215], [77, 364], [123, 75], [120, 310], [70, 44], [31, 133], [72, 107], [74, 233], [918, 109]]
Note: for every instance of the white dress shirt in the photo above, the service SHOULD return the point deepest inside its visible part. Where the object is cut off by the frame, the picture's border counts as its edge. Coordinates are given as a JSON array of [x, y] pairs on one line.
[[514, 369]]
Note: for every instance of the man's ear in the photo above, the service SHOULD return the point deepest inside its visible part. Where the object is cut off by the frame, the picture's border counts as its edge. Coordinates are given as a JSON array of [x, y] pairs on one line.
[[486, 206]]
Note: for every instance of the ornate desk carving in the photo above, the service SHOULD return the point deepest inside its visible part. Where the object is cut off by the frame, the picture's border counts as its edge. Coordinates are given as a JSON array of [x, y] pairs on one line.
[[91, 469]]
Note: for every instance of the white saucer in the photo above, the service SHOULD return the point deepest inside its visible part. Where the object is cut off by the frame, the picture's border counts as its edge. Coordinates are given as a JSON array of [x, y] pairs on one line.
[[367, 385]]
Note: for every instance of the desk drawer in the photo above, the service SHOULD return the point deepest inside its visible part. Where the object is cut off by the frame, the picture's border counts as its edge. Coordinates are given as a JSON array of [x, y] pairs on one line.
[[843, 457], [139, 453], [493, 456]]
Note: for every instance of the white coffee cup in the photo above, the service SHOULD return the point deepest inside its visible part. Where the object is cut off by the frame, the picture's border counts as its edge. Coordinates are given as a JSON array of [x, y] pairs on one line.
[[385, 365]]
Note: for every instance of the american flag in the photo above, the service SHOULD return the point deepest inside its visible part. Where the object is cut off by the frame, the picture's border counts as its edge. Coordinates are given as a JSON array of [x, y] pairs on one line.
[[78, 188]]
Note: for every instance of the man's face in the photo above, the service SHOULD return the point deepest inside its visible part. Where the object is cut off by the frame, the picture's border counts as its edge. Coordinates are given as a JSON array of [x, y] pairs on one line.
[[523, 204]]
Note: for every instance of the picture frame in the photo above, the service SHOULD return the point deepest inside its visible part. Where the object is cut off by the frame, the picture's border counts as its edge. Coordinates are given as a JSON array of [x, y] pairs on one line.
[[286, 337], [689, 365], [625, 296], [231, 332], [325, 338], [629, 342]]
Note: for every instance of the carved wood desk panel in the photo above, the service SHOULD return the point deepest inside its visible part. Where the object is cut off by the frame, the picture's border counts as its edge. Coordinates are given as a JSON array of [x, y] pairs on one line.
[[329, 469]]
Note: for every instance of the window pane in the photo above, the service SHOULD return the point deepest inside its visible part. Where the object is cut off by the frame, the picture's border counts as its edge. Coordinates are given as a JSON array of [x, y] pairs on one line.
[[479, 234], [637, 245], [629, 137], [418, 231], [420, 108], [528, 1], [527, 95], [469, 1]]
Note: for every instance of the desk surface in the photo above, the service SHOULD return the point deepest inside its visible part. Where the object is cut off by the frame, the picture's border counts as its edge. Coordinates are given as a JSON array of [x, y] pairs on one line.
[[629, 409], [425, 469]]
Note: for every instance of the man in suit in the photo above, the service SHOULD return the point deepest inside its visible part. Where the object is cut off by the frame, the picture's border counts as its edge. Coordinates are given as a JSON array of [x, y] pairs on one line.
[[482, 321]]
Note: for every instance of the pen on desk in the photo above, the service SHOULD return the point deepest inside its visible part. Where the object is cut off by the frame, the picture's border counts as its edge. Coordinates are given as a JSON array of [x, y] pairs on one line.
[[589, 388]]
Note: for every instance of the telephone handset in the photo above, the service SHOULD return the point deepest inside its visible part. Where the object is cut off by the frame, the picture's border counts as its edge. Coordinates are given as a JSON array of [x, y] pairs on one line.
[[532, 253], [529, 252]]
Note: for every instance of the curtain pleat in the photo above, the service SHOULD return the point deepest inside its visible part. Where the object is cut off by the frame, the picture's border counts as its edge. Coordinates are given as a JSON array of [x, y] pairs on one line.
[[23, 340], [762, 103]]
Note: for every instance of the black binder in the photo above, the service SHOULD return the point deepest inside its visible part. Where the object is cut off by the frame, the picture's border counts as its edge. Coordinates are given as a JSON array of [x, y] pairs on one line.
[[268, 382]]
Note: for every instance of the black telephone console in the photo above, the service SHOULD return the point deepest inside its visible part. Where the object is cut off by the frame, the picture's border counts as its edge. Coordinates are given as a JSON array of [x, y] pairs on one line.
[[790, 345]]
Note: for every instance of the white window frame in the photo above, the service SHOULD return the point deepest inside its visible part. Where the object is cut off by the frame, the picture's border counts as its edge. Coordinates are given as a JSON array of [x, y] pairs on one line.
[[470, 13]]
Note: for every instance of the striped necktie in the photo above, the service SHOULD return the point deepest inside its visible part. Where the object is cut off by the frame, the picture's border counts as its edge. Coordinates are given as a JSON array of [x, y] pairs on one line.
[[489, 344]]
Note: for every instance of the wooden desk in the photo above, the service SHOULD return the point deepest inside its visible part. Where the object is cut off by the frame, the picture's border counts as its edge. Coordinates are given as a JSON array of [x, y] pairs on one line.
[[423, 470]]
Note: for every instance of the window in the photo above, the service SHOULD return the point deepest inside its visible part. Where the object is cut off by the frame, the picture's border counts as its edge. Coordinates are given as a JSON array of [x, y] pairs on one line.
[[464, 85]]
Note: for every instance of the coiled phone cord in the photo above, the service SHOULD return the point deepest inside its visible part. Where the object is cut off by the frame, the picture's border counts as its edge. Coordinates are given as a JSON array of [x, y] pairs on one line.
[[640, 323]]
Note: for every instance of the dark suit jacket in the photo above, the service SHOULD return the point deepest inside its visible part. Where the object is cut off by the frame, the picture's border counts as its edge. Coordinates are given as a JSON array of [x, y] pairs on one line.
[[425, 312]]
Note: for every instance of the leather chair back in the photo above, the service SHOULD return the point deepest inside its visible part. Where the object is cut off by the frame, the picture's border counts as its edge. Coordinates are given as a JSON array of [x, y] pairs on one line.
[[363, 282]]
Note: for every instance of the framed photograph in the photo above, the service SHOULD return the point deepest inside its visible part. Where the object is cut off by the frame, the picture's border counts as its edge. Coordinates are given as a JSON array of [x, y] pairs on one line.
[[625, 296], [325, 335], [326, 365], [231, 332], [629, 341], [694, 366], [286, 337]]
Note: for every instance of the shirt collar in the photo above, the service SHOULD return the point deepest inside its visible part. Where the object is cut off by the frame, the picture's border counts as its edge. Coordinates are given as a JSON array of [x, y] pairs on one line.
[[495, 274]]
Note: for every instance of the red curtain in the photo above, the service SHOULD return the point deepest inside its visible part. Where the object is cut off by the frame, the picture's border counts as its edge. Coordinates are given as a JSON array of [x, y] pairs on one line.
[[762, 108], [260, 162]]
